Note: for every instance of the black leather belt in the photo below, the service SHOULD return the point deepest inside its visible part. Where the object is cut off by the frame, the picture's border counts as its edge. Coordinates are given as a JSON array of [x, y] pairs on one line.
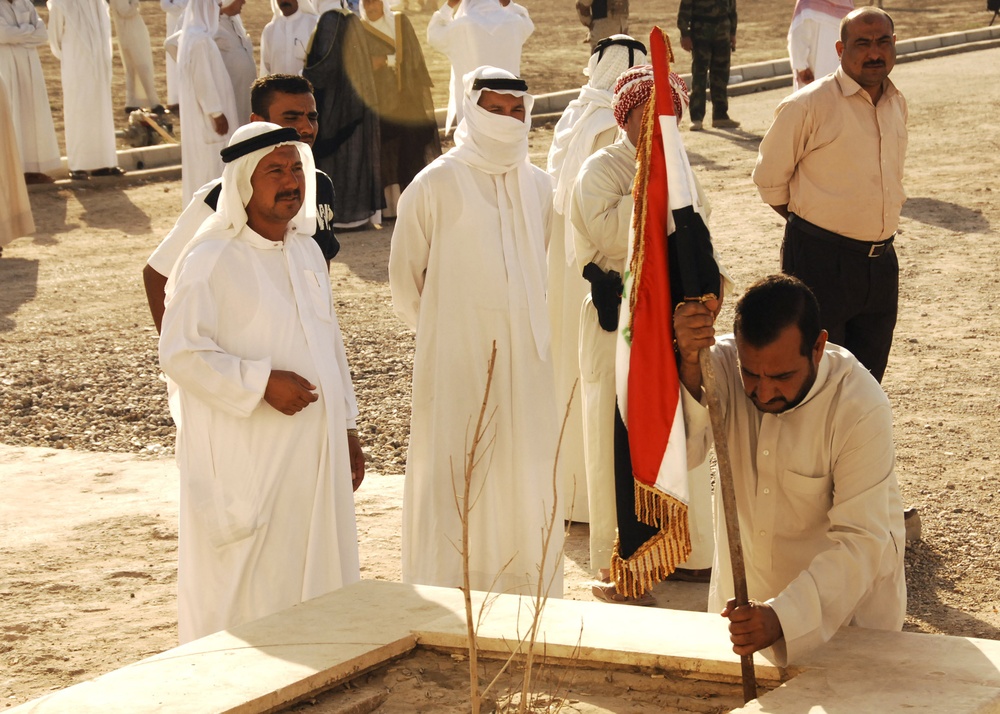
[[869, 249]]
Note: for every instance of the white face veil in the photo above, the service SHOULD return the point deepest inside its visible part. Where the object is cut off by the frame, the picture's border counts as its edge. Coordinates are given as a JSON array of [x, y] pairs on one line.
[[499, 142], [497, 145]]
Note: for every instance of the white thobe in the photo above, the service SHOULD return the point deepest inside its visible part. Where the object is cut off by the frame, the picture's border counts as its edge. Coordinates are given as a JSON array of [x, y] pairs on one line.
[[284, 43], [21, 33], [567, 289], [470, 44], [136, 53], [206, 90], [80, 37], [458, 282], [820, 514], [601, 219], [237, 54], [267, 509], [175, 13], [15, 211], [812, 44]]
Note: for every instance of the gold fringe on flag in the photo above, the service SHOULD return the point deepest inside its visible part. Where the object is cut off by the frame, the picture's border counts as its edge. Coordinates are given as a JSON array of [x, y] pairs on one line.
[[659, 556], [644, 150]]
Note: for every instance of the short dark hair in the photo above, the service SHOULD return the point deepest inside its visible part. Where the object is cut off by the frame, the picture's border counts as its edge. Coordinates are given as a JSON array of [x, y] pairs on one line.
[[263, 89], [772, 304], [866, 13]]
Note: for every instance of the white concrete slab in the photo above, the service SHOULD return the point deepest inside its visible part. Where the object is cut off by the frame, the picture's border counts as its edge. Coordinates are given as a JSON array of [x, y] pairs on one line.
[[285, 657]]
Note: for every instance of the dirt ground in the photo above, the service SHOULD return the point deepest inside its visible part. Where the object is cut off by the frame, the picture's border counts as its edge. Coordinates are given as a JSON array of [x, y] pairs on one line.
[[88, 519]]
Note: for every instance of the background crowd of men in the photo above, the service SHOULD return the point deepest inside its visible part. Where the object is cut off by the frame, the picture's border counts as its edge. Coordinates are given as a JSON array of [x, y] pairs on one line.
[[490, 252]]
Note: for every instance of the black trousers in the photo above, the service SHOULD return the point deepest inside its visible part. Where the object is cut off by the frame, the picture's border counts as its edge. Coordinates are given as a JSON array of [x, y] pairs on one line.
[[857, 294]]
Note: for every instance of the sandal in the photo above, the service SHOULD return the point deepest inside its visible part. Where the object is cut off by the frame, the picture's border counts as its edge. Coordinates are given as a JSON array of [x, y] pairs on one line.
[[79, 175], [606, 592], [109, 171]]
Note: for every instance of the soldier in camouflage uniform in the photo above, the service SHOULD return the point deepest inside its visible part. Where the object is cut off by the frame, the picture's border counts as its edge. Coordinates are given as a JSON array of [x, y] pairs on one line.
[[603, 18], [708, 32]]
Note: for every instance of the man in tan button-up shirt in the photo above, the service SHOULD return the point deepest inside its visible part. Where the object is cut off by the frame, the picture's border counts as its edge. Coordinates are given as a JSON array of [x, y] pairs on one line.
[[832, 165]]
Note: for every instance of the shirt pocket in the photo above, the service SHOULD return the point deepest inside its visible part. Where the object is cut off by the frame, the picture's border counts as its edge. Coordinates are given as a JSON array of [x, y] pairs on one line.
[[807, 501], [319, 295]]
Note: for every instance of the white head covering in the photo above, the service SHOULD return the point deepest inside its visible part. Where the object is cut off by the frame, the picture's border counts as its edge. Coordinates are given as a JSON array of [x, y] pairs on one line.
[[482, 9], [498, 145], [386, 10], [200, 17], [305, 7], [230, 213], [585, 118], [613, 56]]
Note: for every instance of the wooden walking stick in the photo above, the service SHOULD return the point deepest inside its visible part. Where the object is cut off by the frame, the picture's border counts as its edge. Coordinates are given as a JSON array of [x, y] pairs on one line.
[[728, 492]]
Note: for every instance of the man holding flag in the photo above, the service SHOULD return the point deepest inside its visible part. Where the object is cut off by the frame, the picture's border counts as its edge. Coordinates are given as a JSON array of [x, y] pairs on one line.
[[810, 438]]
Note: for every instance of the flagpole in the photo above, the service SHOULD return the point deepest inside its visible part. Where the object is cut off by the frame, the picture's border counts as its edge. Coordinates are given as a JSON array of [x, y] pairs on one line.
[[728, 492]]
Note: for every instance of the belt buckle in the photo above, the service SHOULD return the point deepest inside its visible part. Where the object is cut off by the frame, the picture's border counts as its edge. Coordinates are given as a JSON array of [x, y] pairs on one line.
[[876, 250]]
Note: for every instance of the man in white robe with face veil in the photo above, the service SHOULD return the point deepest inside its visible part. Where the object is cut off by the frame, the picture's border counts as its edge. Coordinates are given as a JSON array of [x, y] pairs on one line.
[[284, 42], [476, 33], [251, 339], [586, 125], [208, 104], [467, 269], [80, 37]]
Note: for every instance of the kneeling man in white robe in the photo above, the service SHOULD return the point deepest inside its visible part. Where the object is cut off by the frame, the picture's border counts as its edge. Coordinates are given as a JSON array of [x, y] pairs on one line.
[[467, 269], [251, 340]]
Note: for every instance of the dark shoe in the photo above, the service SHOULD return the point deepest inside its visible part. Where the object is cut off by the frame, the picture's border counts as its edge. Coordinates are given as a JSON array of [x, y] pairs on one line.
[[158, 109], [32, 177], [725, 123], [129, 110], [79, 175], [912, 524], [684, 575], [108, 171]]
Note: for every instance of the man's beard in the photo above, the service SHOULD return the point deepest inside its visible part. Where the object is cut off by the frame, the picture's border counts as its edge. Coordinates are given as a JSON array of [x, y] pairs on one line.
[[779, 405]]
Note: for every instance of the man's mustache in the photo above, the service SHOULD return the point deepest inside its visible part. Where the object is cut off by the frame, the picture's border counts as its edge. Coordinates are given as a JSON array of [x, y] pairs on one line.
[[875, 63], [297, 195]]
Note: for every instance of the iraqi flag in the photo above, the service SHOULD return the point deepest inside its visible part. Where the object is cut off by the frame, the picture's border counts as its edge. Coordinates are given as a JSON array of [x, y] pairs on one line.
[[670, 260]]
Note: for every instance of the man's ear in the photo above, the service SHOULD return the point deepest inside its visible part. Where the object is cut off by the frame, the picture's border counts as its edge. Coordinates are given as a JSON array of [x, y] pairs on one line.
[[257, 117], [817, 350]]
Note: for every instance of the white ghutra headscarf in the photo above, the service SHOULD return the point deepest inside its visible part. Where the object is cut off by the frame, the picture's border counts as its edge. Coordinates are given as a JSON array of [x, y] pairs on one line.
[[248, 145]]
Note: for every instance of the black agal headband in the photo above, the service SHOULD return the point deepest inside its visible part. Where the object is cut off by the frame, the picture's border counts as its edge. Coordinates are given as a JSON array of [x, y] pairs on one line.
[[261, 141], [499, 84], [633, 47]]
